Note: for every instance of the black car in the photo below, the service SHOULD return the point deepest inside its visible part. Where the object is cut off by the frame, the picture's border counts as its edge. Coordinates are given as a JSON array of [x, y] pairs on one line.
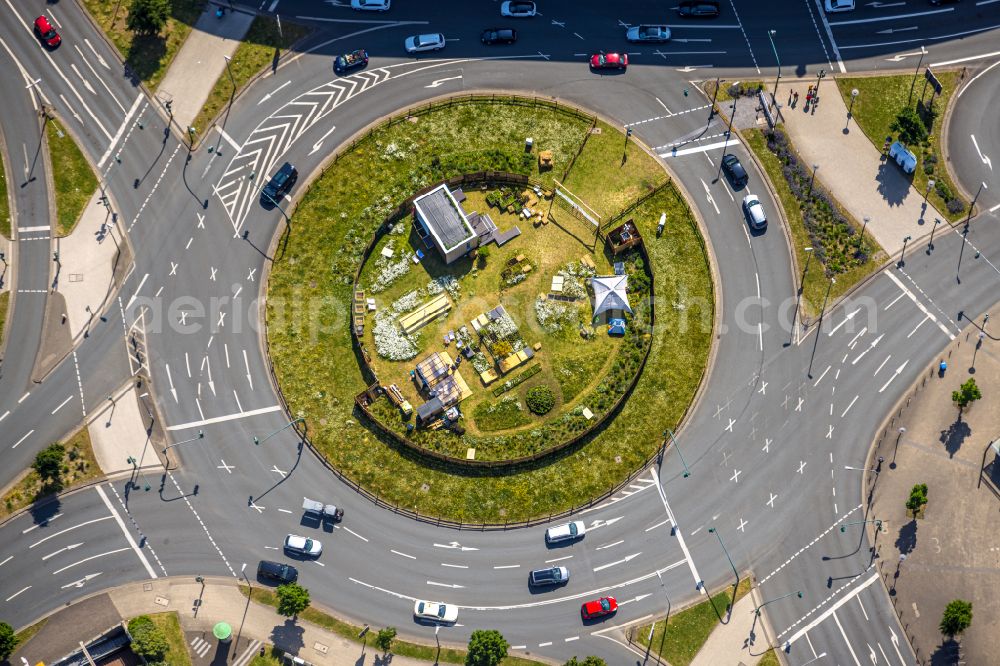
[[280, 184], [342, 63], [735, 171], [499, 36], [698, 8], [283, 573]]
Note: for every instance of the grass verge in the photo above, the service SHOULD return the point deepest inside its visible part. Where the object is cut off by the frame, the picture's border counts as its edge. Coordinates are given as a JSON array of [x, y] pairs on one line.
[[312, 350], [22, 637], [731, 90], [770, 658], [880, 99], [148, 56], [399, 647], [79, 466], [259, 49], [4, 204], [177, 652], [4, 305], [689, 629], [73, 178], [816, 282]]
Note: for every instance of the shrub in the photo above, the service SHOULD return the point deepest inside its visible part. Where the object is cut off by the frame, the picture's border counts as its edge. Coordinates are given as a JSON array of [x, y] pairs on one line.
[[955, 206], [147, 640], [147, 17], [956, 618], [502, 349], [48, 464], [910, 126], [966, 394], [943, 190], [384, 638], [8, 641], [540, 399], [917, 499]]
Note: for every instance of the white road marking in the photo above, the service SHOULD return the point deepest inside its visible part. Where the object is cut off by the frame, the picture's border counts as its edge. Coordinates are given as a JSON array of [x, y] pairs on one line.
[[454, 586], [847, 642], [396, 552], [698, 149], [559, 559], [228, 417], [23, 589], [455, 566], [94, 557], [659, 524], [829, 35], [24, 397], [883, 364], [819, 380], [678, 534], [919, 305], [350, 531], [921, 323], [896, 374], [128, 535], [22, 439], [892, 18], [9, 558], [508, 566], [844, 413], [61, 550], [610, 544]]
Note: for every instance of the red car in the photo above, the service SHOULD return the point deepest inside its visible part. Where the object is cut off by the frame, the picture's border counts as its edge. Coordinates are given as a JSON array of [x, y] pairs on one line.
[[598, 608], [47, 33], [609, 61]]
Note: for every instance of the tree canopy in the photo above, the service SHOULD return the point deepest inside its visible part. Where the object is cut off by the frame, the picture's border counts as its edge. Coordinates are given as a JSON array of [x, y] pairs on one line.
[[147, 17], [487, 647], [292, 599], [956, 618]]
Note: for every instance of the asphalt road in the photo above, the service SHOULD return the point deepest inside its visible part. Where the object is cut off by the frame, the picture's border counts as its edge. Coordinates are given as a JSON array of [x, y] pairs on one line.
[[767, 446]]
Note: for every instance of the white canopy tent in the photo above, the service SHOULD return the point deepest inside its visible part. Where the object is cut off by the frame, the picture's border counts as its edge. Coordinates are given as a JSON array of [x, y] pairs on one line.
[[610, 293]]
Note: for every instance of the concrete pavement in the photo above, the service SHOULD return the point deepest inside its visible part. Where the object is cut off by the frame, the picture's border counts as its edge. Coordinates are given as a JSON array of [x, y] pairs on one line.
[[119, 431], [730, 644], [201, 61], [852, 169]]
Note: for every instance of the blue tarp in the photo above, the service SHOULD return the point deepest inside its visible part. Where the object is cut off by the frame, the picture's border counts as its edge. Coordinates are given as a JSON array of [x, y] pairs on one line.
[[616, 327]]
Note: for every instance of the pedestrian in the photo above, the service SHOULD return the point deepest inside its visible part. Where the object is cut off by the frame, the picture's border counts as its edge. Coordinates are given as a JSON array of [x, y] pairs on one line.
[[791, 93], [795, 99], [941, 368], [219, 11]]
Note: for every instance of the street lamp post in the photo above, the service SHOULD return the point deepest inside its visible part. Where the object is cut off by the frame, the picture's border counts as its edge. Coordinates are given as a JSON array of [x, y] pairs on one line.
[[284, 427], [714, 531], [245, 609], [813, 179], [819, 77], [757, 609], [982, 186], [930, 245], [687, 472], [798, 299], [863, 227], [819, 325], [902, 253], [715, 95], [200, 435], [850, 111], [927, 191], [770, 36], [877, 521], [923, 52]]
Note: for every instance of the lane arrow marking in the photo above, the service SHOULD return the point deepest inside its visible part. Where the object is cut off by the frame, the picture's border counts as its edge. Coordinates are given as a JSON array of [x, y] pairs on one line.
[[889, 31], [82, 581], [316, 146], [984, 158], [438, 82], [894, 375], [874, 342], [624, 560], [70, 547]]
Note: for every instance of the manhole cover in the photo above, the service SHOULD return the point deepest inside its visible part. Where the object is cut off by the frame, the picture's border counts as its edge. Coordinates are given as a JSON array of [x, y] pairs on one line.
[[76, 277], [319, 647]]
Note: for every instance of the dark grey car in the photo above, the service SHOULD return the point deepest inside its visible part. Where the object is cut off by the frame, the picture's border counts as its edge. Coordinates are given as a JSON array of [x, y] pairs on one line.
[[549, 576]]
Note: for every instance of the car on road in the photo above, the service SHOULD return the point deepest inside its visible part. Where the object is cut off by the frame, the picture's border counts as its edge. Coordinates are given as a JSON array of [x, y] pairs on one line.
[[602, 60], [277, 571], [303, 545], [370, 5], [347, 61], [598, 608], [280, 183], [574, 530], [947, 2], [498, 36], [833, 6], [734, 171], [754, 211], [420, 43], [698, 9], [518, 9], [46, 32], [549, 576], [435, 611], [648, 33]]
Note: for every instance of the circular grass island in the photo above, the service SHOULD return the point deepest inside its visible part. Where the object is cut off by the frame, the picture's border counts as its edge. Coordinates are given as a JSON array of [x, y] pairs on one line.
[[410, 350]]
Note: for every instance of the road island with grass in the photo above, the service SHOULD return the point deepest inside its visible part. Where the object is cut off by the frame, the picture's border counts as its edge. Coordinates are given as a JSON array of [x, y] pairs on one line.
[[523, 310]]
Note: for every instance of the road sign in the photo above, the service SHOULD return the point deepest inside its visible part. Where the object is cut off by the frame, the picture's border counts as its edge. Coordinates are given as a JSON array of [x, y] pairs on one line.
[[929, 75]]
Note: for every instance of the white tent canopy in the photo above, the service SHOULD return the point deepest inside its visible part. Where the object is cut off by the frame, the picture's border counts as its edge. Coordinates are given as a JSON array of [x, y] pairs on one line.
[[610, 293]]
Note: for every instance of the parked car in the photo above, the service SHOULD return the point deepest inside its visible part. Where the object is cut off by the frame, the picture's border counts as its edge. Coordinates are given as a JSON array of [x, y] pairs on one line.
[[833, 6], [370, 5], [698, 9], [617, 61], [303, 545], [598, 608], [735, 171], [421, 43], [435, 611], [549, 576], [46, 32], [648, 33], [518, 9], [280, 184], [574, 530], [347, 61], [498, 36], [283, 573], [754, 211]]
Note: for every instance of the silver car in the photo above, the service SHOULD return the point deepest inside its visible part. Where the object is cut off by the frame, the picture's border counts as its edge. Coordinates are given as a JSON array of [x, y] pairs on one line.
[[574, 530], [421, 43], [303, 545], [754, 211], [648, 33]]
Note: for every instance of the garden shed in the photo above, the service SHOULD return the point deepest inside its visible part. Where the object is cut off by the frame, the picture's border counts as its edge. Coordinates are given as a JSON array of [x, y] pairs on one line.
[[610, 295], [440, 216]]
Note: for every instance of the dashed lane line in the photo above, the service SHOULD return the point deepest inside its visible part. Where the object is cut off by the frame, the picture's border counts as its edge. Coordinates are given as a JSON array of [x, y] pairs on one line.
[[840, 602], [809, 545], [136, 526], [919, 305]]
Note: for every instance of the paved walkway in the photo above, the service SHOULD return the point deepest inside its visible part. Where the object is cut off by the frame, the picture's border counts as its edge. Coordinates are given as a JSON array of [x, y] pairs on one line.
[[118, 431], [221, 601], [953, 550], [201, 61], [730, 644], [853, 169]]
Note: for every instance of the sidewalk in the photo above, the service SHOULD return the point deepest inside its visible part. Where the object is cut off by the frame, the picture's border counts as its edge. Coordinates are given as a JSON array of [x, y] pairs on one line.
[[952, 551], [119, 431], [853, 169], [201, 61], [221, 601], [729, 644]]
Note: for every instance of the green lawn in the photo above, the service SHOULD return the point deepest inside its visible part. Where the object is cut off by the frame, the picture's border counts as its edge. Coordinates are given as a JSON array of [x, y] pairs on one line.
[[147, 56], [79, 467], [350, 632], [258, 50], [72, 175], [689, 629], [4, 305], [816, 281], [170, 625], [770, 658], [312, 350], [726, 89], [25, 635], [880, 98], [4, 204]]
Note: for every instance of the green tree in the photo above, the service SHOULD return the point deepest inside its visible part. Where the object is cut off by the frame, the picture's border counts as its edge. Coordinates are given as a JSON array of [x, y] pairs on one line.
[[910, 126], [8, 641], [966, 394], [48, 464], [956, 618], [147, 639], [147, 17], [588, 661], [292, 599], [917, 499], [487, 647], [482, 254], [384, 638]]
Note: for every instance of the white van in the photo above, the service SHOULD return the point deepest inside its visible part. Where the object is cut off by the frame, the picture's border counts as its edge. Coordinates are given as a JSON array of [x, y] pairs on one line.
[[574, 530]]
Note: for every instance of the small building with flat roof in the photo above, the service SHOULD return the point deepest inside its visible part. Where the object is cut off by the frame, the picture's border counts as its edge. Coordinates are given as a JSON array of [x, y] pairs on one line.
[[440, 218]]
